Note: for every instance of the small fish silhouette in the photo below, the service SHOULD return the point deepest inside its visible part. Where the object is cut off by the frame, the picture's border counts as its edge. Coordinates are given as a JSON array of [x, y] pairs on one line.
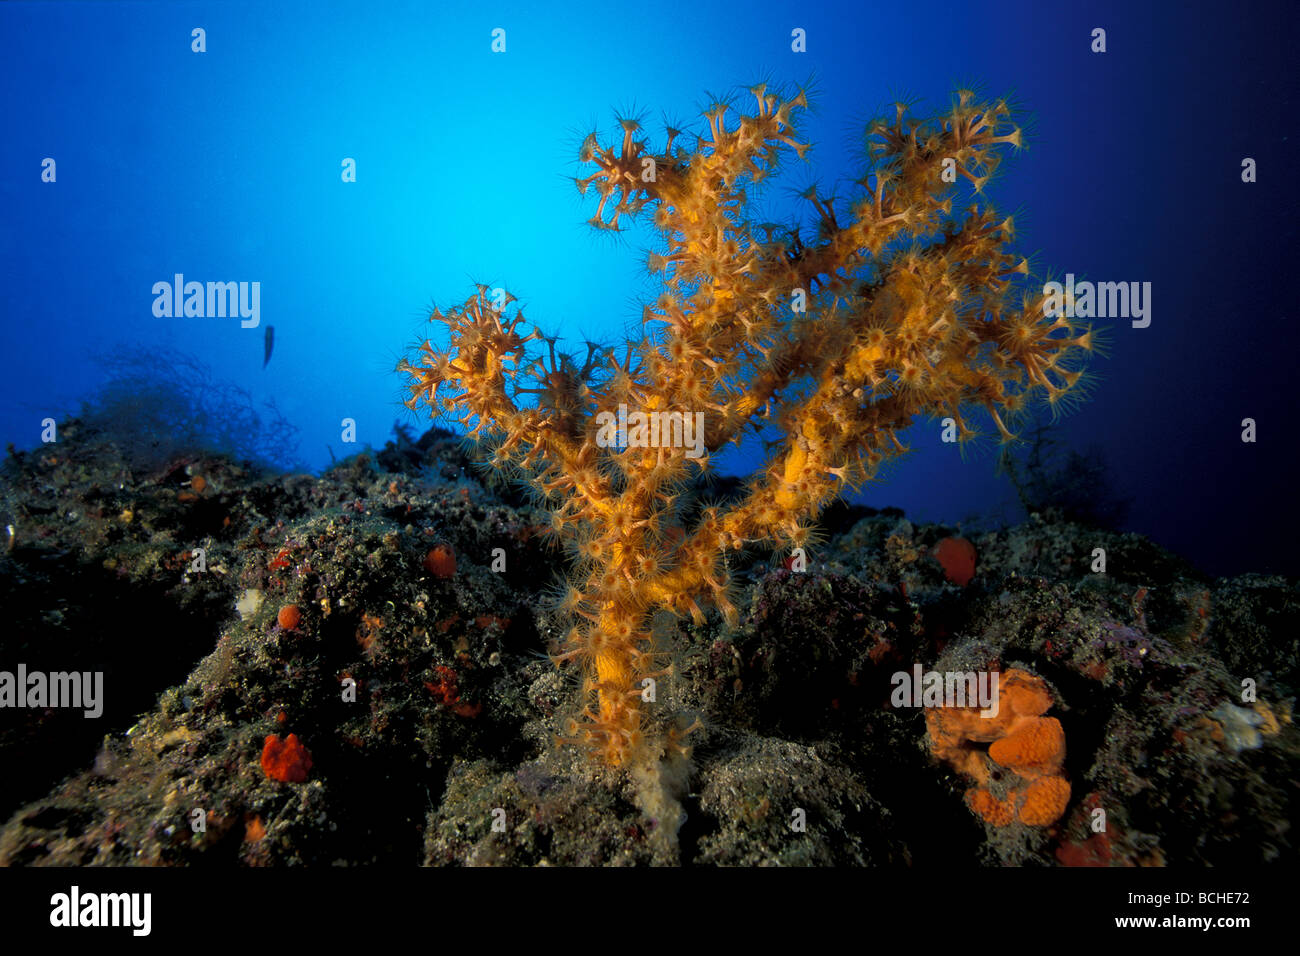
[[270, 343]]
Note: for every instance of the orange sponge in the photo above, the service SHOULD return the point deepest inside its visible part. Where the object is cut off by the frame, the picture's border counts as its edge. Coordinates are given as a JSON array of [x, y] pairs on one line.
[[1044, 801], [1024, 693], [285, 760], [995, 811], [1037, 805], [1036, 747], [1020, 739], [957, 557]]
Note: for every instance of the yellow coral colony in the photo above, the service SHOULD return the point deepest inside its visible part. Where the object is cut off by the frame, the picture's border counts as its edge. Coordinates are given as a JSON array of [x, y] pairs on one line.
[[896, 307]]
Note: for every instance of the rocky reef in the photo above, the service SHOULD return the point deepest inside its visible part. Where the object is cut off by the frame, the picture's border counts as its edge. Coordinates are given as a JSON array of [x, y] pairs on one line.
[[351, 668]]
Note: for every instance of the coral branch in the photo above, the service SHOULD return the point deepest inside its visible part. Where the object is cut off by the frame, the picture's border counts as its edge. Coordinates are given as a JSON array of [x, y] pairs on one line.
[[896, 309]]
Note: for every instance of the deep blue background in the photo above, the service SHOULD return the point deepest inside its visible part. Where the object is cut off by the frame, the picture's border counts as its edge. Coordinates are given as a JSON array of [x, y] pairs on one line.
[[225, 165]]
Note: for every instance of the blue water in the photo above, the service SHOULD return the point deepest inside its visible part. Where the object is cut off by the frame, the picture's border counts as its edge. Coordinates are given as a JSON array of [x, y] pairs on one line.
[[225, 166]]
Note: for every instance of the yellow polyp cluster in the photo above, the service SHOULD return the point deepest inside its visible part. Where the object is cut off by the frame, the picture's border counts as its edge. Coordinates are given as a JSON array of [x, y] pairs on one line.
[[904, 303]]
